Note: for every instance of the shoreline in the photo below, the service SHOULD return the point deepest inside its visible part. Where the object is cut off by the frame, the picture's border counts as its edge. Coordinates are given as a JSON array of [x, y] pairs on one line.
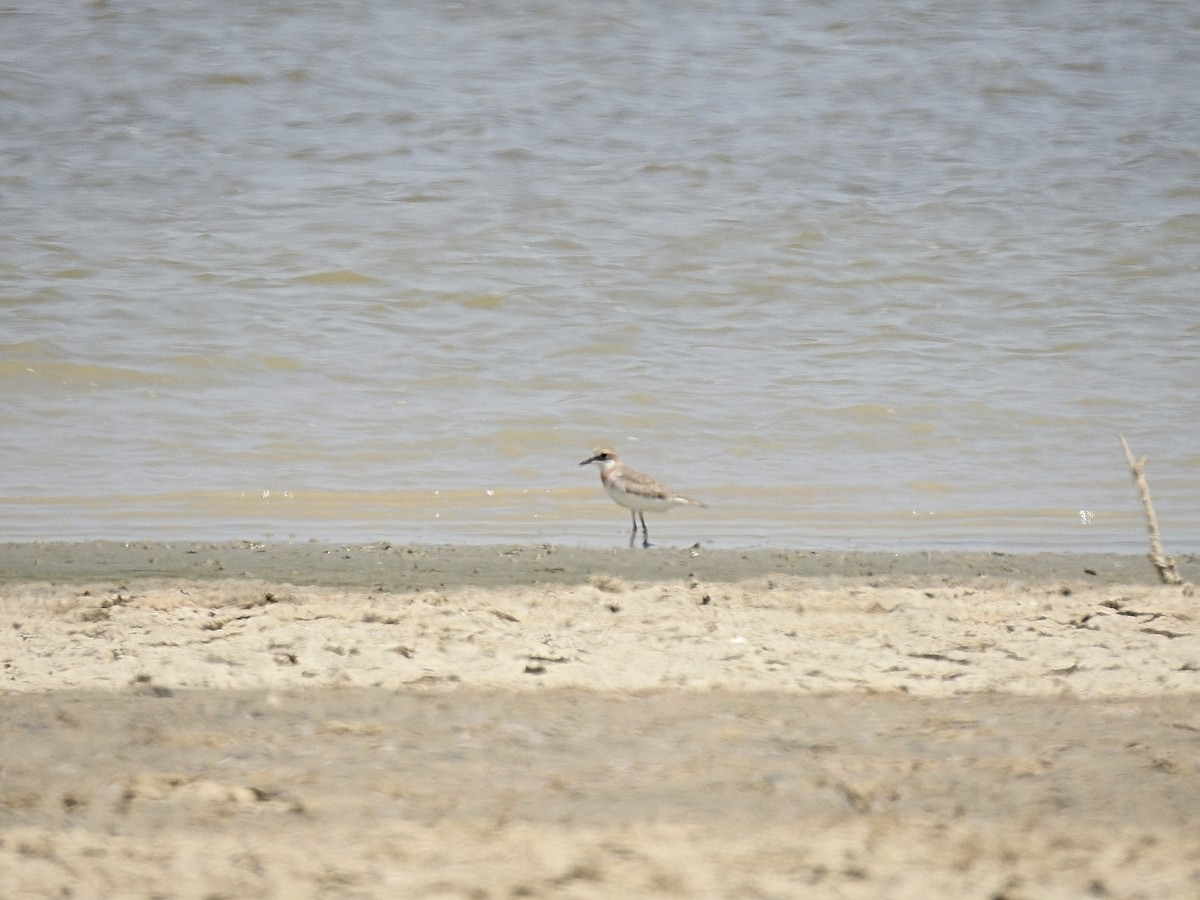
[[382, 721], [416, 567]]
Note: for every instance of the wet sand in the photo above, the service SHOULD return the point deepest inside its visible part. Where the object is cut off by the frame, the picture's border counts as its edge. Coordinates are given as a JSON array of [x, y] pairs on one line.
[[246, 720]]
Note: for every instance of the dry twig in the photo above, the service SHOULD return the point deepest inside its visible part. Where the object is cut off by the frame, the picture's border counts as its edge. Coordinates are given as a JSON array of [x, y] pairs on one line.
[[1165, 565]]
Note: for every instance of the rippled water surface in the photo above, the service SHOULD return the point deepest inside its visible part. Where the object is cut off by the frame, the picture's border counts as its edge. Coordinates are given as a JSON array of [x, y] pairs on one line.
[[857, 274]]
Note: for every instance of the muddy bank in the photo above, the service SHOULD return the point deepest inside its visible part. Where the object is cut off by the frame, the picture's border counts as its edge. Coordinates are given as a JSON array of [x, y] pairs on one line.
[[420, 567], [240, 720]]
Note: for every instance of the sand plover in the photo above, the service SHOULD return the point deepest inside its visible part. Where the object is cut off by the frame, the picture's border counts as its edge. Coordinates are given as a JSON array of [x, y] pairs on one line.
[[638, 493]]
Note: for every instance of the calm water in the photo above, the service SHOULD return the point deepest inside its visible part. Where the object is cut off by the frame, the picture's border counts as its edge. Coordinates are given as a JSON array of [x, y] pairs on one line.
[[857, 274]]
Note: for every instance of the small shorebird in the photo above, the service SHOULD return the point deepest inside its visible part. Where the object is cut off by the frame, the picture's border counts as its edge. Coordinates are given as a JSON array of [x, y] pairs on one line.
[[636, 492]]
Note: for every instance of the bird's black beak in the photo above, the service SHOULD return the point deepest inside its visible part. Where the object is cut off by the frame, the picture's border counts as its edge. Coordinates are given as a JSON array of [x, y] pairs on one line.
[[586, 461]]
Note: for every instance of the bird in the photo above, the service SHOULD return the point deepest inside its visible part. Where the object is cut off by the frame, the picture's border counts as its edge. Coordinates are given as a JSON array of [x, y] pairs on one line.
[[636, 492]]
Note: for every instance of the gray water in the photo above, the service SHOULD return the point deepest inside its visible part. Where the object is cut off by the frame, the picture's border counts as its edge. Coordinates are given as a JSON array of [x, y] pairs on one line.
[[856, 274]]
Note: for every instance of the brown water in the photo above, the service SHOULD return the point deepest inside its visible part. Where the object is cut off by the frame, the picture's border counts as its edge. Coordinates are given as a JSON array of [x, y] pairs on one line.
[[857, 275]]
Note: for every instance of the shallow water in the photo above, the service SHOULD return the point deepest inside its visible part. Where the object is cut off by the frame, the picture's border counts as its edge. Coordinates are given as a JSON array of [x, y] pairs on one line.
[[855, 276]]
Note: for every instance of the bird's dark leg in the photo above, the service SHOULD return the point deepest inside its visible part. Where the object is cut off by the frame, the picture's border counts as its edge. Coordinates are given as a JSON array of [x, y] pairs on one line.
[[645, 533], [633, 534]]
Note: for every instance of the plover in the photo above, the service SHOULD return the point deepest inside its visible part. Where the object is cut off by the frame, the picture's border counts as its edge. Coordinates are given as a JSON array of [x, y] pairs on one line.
[[636, 492]]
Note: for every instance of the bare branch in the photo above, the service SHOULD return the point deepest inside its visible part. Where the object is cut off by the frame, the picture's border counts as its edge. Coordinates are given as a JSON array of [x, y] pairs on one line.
[[1165, 565]]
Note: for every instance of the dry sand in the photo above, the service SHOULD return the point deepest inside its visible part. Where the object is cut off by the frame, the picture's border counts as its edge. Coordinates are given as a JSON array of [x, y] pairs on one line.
[[241, 720]]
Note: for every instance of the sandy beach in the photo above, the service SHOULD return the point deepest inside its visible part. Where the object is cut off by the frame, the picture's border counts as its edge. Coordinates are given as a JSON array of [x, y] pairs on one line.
[[310, 720]]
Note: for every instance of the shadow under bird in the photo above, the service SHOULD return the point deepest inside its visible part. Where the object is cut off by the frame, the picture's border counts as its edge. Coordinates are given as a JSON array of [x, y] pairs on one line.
[[636, 492]]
